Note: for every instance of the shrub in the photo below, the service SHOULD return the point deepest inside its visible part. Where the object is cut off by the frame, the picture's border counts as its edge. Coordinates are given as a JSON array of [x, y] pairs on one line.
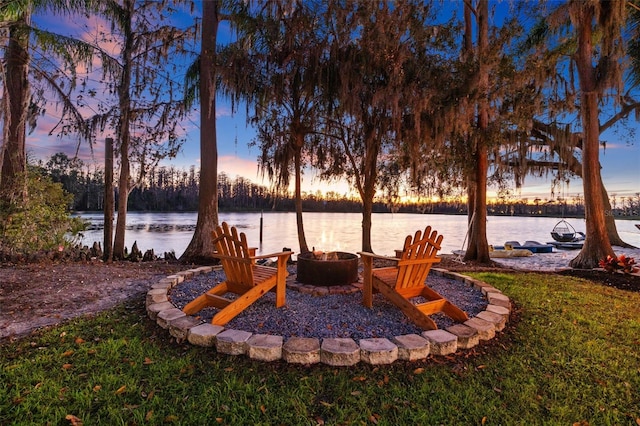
[[622, 263], [43, 222]]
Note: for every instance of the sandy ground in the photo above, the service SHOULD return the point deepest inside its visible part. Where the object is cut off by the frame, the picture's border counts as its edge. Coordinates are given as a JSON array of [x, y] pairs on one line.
[[558, 260]]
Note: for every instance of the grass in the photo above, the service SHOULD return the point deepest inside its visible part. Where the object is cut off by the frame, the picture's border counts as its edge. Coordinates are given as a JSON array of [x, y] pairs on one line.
[[571, 356]]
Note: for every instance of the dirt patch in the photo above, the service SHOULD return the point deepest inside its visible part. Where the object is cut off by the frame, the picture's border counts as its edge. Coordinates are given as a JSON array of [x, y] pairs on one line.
[[42, 294]]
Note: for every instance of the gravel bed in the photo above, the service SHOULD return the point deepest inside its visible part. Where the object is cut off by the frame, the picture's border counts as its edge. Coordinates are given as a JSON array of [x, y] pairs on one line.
[[329, 316]]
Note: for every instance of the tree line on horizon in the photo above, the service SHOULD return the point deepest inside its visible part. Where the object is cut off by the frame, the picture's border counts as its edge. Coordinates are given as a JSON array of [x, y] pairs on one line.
[[387, 95], [171, 189]]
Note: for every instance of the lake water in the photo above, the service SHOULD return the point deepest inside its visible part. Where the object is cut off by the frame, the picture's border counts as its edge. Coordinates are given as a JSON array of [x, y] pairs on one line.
[[165, 232]]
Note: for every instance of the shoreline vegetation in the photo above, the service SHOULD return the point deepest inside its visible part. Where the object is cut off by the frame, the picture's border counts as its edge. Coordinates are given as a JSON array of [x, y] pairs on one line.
[[382, 211], [171, 189]]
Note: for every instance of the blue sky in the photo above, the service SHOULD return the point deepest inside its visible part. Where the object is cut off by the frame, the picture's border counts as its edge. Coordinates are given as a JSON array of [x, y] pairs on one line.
[[620, 160]]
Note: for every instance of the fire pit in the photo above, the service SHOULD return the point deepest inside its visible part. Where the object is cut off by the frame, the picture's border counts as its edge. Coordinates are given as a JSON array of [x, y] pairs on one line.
[[327, 269]]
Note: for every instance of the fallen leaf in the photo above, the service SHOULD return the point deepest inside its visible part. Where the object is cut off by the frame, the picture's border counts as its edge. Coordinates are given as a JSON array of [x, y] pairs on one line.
[[419, 370], [147, 361], [219, 419], [75, 421], [484, 420], [79, 340], [356, 393], [121, 390], [263, 409], [149, 415], [67, 353], [359, 379], [96, 388], [67, 366], [171, 418]]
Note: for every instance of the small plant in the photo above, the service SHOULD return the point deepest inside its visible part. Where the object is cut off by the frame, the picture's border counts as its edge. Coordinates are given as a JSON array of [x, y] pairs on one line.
[[621, 263]]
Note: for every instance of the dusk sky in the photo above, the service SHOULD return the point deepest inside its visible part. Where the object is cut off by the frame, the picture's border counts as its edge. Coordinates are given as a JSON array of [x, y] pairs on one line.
[[620, 159]]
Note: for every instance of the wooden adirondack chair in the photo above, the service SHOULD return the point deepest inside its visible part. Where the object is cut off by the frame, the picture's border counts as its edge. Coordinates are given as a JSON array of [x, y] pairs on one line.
[[244, 278], [407, 280]]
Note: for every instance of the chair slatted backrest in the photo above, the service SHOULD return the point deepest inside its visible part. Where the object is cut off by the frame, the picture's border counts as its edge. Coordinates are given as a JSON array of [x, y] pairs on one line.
[[234, 254], [418, 256]]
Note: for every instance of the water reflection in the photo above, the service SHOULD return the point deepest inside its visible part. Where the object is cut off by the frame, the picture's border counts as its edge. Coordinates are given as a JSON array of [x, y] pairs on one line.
[[165, 232]]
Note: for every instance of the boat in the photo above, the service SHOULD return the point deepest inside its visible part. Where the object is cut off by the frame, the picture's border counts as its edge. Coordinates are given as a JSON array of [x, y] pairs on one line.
[[570, 245], [563, 232], [532, 246], [494, 253], [509, 253]]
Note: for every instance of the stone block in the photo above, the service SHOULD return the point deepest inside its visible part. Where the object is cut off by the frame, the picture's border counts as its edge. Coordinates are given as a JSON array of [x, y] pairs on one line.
[[441, 342], [204, 334], [498, 320], [176, 279], [155, 308], [320, 291], [378, 351], [163, 284], [179, 328], [205, 269], [265, 347], [486, 289], [467, 337], [499, 299], [486, 330], [165, 317], [411, 347], [185, 274], [500, 310], [339, 352], [301, 350], [232, 342], [156, 295], [194, 272]]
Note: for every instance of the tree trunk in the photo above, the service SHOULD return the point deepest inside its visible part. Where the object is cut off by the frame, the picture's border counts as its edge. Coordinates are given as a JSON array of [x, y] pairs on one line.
[[124, 135], [16, 92], [369, 187], [478, 249], [201, 247], [108, 201], [302, 240], [610, 220], [597, 245]]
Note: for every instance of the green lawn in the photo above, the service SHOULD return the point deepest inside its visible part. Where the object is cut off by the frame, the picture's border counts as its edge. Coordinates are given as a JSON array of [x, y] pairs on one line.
[[572, 355]]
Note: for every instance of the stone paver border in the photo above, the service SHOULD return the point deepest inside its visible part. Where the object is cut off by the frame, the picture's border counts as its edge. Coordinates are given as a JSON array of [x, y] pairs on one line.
[[334, 352]]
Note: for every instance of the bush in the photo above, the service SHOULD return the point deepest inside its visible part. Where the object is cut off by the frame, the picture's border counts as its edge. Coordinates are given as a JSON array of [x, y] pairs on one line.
[[43, 222]]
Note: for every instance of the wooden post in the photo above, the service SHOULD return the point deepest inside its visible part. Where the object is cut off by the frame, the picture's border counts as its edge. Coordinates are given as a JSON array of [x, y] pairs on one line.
[[108, 200]]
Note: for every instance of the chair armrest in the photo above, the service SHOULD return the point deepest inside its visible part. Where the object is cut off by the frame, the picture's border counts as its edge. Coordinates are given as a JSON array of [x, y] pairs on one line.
[[267, 256], [377, 256]]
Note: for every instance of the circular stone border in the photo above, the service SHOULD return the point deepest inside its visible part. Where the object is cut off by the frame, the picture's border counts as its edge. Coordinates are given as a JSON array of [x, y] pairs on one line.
[[330, 351]]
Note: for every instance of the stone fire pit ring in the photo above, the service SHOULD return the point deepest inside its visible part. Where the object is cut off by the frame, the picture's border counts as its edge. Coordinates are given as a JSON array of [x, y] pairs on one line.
[[330, 351]]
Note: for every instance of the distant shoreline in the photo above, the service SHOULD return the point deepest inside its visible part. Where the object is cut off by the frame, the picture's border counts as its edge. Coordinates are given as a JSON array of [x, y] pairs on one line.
[[620, 217]]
